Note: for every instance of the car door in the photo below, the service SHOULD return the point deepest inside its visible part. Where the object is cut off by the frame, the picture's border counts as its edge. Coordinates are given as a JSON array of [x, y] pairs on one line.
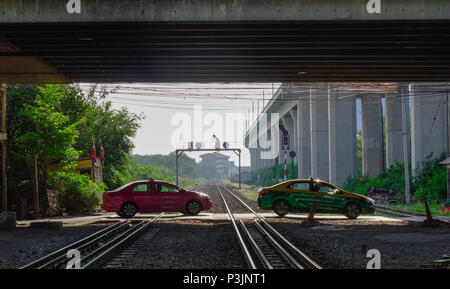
[[145, 197], [326, 197], [302, 196], [171, 197]]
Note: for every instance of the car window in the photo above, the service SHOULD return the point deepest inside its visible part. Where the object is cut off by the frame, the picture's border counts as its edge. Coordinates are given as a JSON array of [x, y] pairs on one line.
[[142, 188], [167, 188], [324, 188], [300, 186]]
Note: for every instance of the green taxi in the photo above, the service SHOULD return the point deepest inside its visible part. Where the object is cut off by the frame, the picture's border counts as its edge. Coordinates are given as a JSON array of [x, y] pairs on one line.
[[299, 195]]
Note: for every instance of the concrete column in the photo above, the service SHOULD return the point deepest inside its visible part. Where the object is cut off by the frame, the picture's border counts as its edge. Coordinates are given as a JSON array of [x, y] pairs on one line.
[[319, 133], [294, 135], [394, 138], [428, 119], [258, 162], [304, 135], [253, 160], [372, 135], [342, 137]]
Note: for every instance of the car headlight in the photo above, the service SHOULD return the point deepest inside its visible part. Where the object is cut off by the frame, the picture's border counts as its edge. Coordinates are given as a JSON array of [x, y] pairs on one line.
[[370, 201]]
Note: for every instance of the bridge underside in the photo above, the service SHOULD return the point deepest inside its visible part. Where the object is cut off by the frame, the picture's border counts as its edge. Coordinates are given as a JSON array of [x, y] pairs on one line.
[[303, 51]]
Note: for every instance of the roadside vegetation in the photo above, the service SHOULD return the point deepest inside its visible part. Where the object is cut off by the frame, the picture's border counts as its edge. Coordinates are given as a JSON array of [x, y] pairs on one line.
[[273, 175], [55, 124], [163, 167], [428, 184], [248, 191]]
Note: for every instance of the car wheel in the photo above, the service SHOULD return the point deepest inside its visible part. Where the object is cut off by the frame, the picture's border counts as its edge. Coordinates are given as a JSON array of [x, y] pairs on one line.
[[128, 210], [193, 207], [281, 208], [352, 210]]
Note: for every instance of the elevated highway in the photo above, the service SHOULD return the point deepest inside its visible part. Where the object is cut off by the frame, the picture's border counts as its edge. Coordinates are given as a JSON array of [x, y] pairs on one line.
[[44, 41]]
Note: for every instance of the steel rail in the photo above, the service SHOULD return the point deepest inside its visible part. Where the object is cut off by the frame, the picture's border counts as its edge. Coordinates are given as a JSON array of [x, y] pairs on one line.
[[285, 254], [123, 239], [259, 253], [56, 258], [62, 257], [64, 250], [245, 252], [308, 262]]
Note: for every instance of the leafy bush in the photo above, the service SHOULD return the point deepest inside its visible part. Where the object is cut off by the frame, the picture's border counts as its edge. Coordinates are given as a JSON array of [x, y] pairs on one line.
[[429, 183], [76, 193], [272, 175]]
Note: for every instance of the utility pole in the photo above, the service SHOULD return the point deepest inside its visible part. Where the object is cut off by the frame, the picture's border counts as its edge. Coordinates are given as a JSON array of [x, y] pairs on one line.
[[405, 132], [4, 150]]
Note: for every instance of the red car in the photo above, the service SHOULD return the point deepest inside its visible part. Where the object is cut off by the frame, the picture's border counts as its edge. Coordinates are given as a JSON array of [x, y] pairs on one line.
[[154, 196]]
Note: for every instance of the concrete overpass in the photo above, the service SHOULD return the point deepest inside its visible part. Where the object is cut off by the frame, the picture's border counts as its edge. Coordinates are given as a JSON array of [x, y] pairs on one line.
[[321, 120], [44, 41]]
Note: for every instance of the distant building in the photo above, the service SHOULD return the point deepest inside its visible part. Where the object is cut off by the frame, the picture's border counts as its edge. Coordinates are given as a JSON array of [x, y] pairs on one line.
[[223, 168]]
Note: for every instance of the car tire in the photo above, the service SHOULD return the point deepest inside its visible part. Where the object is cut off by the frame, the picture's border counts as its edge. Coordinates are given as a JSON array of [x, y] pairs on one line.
[[128, 210], [352, 210], [193, 207], [281, 207]]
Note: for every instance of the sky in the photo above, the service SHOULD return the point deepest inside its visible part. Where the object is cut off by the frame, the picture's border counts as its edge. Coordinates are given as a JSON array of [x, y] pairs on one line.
[[174, 113]]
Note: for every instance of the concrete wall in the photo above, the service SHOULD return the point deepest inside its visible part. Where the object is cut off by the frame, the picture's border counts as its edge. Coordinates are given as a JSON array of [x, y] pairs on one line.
[[372, 135], [428, 130], [304, 135], [13, 11], [394, 125], [342, 137]]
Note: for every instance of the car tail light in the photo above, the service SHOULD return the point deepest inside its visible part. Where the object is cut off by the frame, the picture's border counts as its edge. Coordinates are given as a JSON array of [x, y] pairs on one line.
[[107, 196], [263, 192]]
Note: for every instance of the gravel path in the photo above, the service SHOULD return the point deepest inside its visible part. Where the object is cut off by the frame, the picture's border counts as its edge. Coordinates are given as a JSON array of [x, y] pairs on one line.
[[188, 245], [210, 188], [343, 244]]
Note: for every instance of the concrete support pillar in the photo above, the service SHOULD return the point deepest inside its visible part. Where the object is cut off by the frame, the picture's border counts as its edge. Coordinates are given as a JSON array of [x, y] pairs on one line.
[[342, 137], [394, 138], [319, 133], [428, 130], [253, 158], [294, 138], [372, 135], [304, 135]]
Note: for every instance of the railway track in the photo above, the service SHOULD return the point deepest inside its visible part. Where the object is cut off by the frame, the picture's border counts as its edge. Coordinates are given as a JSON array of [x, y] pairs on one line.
[[262, 246], [96, 248]]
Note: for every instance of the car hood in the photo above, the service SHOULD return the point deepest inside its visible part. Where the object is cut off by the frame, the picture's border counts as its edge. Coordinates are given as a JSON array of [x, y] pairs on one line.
[[200, 195]]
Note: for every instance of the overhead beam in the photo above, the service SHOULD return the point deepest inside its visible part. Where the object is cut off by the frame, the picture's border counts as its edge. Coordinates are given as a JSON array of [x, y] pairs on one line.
[[15, 11]]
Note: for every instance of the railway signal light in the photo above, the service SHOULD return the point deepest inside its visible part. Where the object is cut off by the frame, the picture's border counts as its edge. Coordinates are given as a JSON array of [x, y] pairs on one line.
[[285, 142]]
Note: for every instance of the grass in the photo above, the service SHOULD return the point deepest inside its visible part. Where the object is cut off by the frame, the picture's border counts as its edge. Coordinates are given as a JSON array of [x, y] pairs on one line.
[[249, 192], [420, 208]]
